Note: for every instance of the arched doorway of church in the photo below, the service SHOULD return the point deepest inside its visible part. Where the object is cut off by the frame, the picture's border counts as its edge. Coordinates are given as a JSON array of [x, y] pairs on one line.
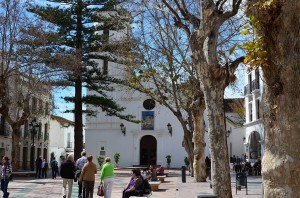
[[148, 150], [254, 145]]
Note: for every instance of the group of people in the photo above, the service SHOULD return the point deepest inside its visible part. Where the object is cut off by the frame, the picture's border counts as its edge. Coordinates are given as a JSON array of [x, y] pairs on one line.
[[84, 170], [152, 173], [245, 166], [41, 168]]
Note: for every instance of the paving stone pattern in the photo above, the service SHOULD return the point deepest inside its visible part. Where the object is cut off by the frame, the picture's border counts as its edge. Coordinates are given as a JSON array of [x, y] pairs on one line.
[[26, 187]]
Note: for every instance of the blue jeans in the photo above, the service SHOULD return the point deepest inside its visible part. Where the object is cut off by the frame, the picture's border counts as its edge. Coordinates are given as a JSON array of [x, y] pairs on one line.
[[4, 185]]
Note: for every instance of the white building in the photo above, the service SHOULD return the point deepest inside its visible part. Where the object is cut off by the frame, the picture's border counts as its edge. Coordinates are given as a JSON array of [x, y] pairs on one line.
[[32, 143], [234, 126], [150, 141], [138, 144], [254, 142], [61, 138]]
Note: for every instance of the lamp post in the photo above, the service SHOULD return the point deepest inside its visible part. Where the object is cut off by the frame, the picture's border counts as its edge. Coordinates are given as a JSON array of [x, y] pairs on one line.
[[169, 128], [123, 128], [32, 127]]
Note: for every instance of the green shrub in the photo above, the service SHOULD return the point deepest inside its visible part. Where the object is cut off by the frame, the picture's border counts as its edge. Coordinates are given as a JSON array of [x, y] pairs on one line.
[[117, 157], [186, 161], [100, 160], [168, 157]]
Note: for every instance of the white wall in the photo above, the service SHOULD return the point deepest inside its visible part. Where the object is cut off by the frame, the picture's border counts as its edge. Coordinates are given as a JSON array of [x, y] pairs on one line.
[[58, 139]]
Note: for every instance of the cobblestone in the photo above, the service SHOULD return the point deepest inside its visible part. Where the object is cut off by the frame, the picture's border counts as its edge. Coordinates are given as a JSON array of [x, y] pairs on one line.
[[26, 187]]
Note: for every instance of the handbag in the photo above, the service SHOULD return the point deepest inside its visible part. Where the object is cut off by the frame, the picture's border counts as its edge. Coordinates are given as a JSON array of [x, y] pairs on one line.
[[100, 191]]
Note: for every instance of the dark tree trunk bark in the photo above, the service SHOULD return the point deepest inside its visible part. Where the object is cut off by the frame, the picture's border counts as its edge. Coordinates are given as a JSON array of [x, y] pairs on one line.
[[15, 154], [280, 31], [78, 130]]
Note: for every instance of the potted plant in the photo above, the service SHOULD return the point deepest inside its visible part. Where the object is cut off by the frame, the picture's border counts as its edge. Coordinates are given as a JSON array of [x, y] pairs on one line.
[[117, 157], [62, 157], [168, 157], [187, 163], [100, 160]]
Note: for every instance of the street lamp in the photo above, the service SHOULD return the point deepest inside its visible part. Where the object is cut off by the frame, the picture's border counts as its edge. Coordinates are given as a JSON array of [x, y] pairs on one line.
[[169, 128], [123, 128], [32, 126]]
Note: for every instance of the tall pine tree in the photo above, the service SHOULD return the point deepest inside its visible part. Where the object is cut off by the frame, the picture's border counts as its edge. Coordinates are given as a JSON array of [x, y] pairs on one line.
[[85, 28]]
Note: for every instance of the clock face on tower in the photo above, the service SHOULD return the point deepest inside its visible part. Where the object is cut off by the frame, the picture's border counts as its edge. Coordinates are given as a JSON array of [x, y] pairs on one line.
[[149, 104]]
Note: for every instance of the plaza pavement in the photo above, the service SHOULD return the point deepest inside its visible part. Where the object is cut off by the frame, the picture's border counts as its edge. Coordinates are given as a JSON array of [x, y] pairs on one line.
[[27, 187]]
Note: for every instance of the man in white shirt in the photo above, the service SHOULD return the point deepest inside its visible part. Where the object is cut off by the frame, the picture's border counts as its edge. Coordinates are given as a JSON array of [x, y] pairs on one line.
[[79, 165]]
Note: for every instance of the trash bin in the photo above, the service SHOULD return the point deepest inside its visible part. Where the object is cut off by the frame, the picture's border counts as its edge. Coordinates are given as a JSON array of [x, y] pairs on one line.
[[207, 196], [183, 175], [241, 180]]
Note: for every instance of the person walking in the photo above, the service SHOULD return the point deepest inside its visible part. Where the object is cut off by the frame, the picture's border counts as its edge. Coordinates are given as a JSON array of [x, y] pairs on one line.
[[54, 167], [87, 177], [107, 176], [67, 171], [44, 168], [6, 171], [79, 165], [38, 166]]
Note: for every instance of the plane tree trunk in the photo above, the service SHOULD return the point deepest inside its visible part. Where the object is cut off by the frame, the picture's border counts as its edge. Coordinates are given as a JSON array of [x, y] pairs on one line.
[[279, 29], [16, 139], [199, 142]]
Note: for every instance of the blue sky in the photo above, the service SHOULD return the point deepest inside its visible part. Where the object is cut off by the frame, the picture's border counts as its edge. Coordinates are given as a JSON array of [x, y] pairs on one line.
[[61, 105]]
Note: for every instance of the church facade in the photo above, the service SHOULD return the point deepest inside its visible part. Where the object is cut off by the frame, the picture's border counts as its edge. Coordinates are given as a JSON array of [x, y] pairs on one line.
[[159, 134]]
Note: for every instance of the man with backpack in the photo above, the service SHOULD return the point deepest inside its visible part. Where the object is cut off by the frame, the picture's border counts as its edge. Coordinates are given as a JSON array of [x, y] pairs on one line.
[[54, 166], [79, 165]]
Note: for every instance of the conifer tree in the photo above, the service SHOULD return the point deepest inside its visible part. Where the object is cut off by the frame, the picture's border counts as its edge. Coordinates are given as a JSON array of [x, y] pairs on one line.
[[86, 28]]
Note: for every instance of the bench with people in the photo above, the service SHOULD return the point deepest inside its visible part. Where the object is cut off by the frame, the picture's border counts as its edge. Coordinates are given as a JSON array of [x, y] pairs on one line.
[[137, 185], [152, 177]]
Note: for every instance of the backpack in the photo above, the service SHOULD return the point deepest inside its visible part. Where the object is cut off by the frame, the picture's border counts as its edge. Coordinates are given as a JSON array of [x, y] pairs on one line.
[[54, 164]]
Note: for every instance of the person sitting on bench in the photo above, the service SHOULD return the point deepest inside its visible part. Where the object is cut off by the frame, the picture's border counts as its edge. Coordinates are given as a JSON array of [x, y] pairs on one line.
[[160, 170], [132, 190]]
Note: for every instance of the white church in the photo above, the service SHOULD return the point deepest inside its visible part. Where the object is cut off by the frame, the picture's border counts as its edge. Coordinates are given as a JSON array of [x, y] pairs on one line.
[[158, 135], [148, 142]]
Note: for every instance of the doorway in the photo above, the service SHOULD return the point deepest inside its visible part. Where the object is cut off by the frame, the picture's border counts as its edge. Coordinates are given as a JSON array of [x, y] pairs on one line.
[[25, 159], [148, 150], [254, 145], [45, 154]]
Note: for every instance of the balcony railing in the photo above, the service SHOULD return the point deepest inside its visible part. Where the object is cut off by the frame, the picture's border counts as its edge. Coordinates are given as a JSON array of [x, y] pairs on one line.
[[69, 144], [39, 135], [46, 136], [4, 132], [26, 134], [254, 85]]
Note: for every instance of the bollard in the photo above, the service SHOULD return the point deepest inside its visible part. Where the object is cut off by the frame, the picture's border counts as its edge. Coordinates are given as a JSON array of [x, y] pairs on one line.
[[183, 176]]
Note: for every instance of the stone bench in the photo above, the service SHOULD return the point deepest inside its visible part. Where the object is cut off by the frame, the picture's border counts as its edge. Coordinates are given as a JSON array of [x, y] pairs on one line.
[[161, 178], [24, 173], [154, 185], [144, 196]]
